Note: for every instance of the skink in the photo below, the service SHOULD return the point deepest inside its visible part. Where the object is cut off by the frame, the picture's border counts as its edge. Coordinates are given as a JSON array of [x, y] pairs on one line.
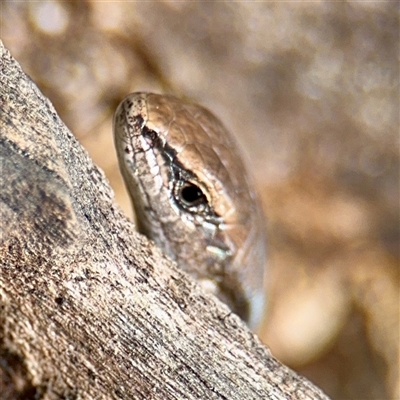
[[193, 197]]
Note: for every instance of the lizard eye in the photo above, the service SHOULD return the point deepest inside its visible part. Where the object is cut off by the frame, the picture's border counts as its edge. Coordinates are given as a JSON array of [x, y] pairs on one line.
[[191, 195]]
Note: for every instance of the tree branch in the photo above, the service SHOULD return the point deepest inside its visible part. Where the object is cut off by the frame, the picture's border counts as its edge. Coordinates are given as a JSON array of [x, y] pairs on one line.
[[90, 309]]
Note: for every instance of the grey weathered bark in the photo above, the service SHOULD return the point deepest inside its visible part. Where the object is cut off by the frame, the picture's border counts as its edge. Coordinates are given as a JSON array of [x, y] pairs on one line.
[[89, 308]]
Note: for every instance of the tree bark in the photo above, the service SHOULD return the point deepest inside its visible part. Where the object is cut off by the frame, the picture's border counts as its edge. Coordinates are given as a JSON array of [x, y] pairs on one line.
[[90, 309]]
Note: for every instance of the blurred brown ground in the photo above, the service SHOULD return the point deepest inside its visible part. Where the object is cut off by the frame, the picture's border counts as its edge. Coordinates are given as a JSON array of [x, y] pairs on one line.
[[311, 91]]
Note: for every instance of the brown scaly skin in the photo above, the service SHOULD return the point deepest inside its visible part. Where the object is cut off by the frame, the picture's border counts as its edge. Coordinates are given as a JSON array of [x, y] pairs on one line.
[[192, 195]]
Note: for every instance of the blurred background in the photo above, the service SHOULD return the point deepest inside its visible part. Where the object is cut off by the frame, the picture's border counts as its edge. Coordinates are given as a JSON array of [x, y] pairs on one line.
[[310, 89]]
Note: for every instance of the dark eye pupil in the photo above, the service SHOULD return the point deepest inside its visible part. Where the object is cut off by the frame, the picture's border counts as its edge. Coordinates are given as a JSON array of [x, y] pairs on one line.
[[192, 194]]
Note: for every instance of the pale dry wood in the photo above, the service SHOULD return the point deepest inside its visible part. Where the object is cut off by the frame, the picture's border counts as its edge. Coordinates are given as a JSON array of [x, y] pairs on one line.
[[89, 308]]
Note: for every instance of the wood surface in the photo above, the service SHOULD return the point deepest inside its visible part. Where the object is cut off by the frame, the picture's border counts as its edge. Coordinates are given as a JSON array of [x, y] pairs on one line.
[[90, 309]]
